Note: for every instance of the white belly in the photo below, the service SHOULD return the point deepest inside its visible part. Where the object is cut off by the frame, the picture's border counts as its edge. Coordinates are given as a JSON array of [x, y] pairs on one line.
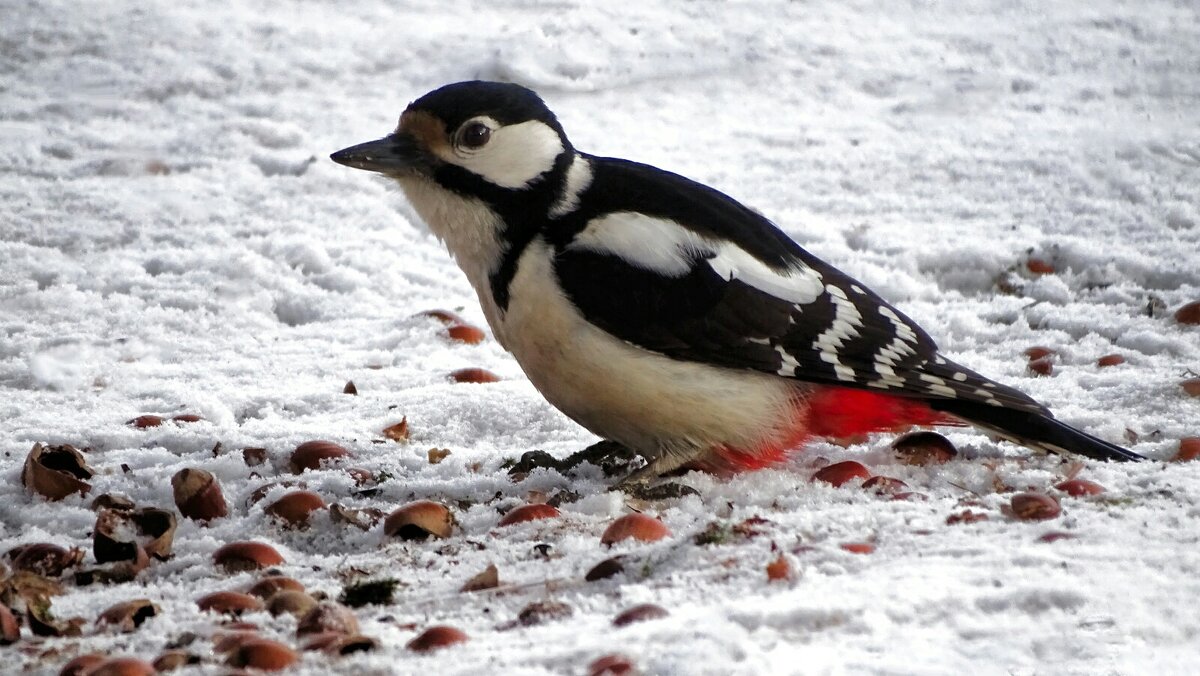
[[618, 391]]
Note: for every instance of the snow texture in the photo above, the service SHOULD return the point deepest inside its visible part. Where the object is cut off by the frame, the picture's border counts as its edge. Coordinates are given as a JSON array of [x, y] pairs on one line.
[[173, 239]]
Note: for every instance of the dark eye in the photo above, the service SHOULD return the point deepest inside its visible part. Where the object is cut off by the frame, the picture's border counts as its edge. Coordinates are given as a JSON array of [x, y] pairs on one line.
[[474, 135]]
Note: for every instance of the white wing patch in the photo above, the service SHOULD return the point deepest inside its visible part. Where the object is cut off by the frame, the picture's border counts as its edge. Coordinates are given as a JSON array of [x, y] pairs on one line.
[[671, 250]]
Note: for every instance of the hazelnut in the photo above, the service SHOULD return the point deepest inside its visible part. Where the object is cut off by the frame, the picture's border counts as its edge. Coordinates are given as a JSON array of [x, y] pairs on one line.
[[1189, 313], [237, 557], [474, 375], [145, 421], [1080, 487], [294, 603], [884, 485], [637, 526], [840, 473], [858, 547], [1034, 507], [612, 665], [262, 653], [465, 333], [311, 454], [228, 602], [923, 448], [327, 616], [268, 586], [418, 520], [1110, 360], [296, 508], [528, 513], [640, 613], [82, 665], [198, 495], [10, 631], [122, 666], [434, 638], [1189, 449]]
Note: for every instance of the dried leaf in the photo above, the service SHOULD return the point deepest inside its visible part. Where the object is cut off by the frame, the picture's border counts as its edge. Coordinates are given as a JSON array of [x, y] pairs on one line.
[[488, 579], [397, 432]]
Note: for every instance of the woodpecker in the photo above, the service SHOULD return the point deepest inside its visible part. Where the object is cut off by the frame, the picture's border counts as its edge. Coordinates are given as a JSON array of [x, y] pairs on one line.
[[662, 314]]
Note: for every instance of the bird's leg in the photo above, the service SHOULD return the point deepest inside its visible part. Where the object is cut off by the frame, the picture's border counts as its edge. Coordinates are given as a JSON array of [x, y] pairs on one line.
[[666, 459], [610, 456]]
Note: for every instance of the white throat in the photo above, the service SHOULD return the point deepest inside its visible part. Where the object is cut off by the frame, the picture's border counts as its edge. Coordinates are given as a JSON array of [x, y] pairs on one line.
[[466, 225]]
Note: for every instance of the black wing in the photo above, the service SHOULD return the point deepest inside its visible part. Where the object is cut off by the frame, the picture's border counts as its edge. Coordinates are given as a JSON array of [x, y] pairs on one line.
[[846, 335]]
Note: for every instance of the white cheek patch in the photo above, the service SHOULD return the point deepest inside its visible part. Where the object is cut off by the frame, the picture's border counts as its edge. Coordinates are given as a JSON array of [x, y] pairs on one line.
[[671, 250], [514, 156]]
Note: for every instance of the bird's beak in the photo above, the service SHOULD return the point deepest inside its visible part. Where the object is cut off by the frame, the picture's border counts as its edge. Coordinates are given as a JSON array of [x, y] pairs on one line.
[[395, 153]]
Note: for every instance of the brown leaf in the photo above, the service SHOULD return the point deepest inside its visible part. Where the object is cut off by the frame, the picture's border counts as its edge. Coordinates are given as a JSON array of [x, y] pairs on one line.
[[779, 569], [397, 432], [489, 578], [56, 471], [436, 455]]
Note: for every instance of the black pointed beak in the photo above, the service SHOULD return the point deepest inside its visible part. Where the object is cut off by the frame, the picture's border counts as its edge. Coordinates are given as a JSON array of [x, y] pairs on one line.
[[391, 154]]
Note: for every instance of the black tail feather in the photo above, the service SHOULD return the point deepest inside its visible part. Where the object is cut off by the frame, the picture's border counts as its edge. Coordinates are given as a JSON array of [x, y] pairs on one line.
[[1037, 431]]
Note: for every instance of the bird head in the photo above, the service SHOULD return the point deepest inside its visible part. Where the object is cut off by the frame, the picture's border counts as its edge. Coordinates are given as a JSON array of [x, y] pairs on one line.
[[475, 138]]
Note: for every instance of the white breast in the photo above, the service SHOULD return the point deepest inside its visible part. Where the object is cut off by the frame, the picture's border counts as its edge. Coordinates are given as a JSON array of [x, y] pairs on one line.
[[618, 391]]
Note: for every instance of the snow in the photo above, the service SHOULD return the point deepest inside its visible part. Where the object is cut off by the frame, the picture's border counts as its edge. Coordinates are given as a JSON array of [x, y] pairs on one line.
[[174, 240]]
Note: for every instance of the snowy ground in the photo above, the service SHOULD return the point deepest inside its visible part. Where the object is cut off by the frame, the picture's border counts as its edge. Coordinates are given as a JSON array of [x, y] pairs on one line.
[[174, 240]]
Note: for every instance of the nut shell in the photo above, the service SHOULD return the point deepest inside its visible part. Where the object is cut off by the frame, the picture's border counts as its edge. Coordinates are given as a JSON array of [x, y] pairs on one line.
[[636, 526], [237, 557], [435, 638], [10, 631], [44, 558], [1110, 360], [295, 508], [418, 520], [312, 454], [198, 495], [54, 472], [525, 513], [858, 547], [128, 616]]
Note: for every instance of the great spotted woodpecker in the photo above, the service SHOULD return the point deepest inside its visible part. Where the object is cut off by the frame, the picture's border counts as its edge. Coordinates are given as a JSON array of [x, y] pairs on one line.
[[662, 314]]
